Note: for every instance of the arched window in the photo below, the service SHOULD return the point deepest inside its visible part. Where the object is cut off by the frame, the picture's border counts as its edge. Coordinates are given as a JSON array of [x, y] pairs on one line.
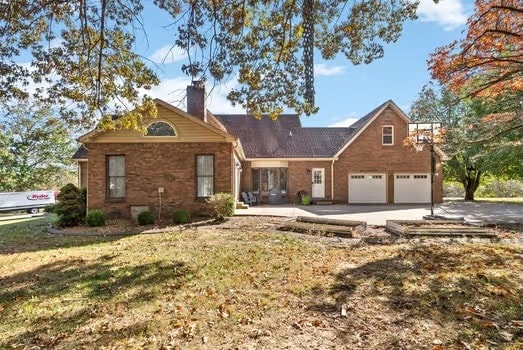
[[160, 129]]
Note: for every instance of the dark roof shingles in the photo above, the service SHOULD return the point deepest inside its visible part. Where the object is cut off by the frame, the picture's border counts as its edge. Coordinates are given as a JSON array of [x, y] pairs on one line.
[[284, 137], [81, 153]]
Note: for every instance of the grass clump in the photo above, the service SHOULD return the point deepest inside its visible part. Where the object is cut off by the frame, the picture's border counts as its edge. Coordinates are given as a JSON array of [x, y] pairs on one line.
[[146, 218], [181, 216], [95, 218]]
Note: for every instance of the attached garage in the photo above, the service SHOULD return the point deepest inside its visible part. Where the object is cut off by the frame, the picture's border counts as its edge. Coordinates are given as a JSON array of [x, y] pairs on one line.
[[412, 188], [367, 188]]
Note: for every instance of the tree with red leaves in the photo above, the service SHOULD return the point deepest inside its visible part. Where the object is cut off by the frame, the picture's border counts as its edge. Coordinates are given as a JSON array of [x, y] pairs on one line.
[[489, 60]]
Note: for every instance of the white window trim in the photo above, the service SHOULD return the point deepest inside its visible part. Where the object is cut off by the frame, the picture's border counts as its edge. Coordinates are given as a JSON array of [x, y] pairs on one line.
[[382, 135], [161, 137]]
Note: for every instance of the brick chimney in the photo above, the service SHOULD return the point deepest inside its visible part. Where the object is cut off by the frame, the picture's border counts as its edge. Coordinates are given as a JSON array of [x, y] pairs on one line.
[[196, 100]]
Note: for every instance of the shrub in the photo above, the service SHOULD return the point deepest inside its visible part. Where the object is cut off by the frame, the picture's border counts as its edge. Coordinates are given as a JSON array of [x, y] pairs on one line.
[[95, 218], [50, 208], [146, 218], [453, 189], [306, 199], [181, 216], [496, 188], [70, 208], [221, 205]]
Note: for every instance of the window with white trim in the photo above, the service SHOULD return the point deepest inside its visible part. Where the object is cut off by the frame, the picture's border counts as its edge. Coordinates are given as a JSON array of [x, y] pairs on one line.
[[387, 132], [115, 177], [205, 175]]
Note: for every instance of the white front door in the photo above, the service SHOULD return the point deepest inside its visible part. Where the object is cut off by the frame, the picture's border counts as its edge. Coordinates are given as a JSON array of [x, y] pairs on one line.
[[367, 188], [318, 183]]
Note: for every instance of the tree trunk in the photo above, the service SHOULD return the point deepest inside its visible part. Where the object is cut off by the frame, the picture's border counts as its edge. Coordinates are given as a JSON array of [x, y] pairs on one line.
[[471, 184]]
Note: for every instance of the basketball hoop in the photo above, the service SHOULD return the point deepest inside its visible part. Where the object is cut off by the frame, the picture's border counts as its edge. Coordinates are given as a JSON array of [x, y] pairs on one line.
[[418, 147], [430, 134]]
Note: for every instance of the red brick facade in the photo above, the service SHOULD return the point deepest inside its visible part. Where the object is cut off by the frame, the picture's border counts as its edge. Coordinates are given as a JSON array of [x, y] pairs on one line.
[[366, 154], [149, 166]]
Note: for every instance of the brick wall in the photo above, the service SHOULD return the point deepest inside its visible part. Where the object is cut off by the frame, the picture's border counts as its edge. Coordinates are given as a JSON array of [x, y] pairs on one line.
[[367, 154], [300, 177], [152, 165]]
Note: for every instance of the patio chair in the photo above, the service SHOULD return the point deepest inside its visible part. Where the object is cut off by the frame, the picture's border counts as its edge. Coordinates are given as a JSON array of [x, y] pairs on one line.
[[252, 198], [246, 199]]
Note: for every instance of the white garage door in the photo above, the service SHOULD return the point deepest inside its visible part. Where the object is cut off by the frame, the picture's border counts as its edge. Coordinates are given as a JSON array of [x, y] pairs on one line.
[[367, 188], [412, 188]]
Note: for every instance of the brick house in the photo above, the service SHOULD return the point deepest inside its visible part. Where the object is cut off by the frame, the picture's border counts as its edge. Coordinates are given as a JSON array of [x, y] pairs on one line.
[[187, 156]]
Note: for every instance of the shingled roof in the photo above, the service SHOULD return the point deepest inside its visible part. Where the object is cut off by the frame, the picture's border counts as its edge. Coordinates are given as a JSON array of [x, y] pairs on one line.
[[81, 153], [284, 137]]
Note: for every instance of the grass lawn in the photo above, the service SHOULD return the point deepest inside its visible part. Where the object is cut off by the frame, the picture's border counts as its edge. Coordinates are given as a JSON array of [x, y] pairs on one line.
[[508, 200], [244, 285]]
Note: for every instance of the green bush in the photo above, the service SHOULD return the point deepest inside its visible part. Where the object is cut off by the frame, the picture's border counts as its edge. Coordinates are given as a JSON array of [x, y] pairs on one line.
[[495, 188], [95, 218], [453, 189], [146, 218], [50, 208], [221, 205], [181, 216], [306, 199], [70, 208]]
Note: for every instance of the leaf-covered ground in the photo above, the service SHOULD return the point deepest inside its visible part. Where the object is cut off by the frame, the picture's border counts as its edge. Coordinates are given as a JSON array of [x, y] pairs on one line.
[[245, 285]]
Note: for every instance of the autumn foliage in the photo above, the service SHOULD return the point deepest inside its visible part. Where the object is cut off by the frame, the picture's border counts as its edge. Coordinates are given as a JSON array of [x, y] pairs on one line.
[[489, 60]]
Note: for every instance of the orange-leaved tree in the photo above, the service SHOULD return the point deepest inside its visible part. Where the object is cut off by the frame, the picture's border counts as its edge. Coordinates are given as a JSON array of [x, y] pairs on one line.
[[488, 65], [489, 60]]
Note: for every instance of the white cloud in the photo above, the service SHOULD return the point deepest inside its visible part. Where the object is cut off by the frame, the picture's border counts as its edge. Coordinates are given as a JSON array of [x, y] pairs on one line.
[[167, 54], [449, 14], [322, 69], [351, 119], [173, 91]]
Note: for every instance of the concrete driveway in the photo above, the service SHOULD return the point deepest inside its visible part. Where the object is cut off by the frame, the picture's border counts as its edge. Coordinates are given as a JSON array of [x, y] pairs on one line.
[[378, 214]]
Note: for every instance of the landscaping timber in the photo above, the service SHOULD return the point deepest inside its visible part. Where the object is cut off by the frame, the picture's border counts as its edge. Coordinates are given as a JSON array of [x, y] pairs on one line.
[[325, 226], [437, 228], [320, 229], [328, 221]]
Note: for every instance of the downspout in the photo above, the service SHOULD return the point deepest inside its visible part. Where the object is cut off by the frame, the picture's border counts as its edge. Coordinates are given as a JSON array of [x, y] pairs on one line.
[[332, 179]]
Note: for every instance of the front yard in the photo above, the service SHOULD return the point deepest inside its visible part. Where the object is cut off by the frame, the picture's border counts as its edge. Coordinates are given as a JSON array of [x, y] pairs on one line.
[[242, 284]]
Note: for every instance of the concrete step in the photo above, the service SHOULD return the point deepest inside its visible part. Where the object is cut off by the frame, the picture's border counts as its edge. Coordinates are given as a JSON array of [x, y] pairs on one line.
[[241, 205]]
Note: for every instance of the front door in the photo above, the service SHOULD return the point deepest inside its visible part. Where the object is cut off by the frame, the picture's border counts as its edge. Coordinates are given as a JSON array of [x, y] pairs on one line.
[[318, 183]]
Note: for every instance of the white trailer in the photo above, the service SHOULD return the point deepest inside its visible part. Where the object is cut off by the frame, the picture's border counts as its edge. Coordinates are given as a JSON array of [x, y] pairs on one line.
[[31, 201]]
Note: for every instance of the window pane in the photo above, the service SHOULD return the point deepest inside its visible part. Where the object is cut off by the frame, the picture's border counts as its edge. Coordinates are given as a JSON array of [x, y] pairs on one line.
[[272, 178], [160, 129], [255, 179], [387, 140], [263, 179], [116, 165], [117, 187], [205, 165], [205, 175], [283, 179], [205, 186], [387, 130]]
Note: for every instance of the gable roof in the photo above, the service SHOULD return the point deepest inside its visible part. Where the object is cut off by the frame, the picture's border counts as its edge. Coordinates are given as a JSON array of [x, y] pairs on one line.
[[213, 125], [80, 154], [360, 125], [283, 137]]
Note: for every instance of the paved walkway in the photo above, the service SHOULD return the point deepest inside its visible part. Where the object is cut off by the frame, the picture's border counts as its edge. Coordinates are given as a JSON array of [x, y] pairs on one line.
[[379, 214]]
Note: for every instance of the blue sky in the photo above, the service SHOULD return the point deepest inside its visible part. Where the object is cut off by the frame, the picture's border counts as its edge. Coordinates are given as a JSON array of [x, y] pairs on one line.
[[344, 92]]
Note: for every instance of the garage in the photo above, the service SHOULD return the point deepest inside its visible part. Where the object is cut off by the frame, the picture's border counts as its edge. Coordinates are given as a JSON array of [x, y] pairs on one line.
[[412, 188], [367, 188]]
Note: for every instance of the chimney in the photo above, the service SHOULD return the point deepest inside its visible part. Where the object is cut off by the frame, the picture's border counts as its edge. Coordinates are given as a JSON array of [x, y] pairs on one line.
[[196, 100]]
